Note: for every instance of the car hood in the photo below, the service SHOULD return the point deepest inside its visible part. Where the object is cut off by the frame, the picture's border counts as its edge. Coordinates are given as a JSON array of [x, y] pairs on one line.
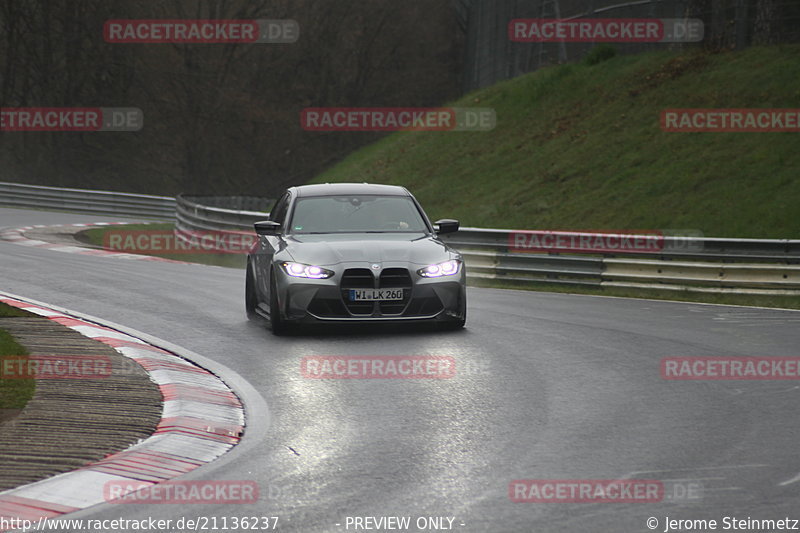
[[332, 249]]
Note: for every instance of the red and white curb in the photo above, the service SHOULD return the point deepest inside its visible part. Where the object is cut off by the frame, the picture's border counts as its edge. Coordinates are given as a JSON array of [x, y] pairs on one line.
[[17, 236], [201, 420]]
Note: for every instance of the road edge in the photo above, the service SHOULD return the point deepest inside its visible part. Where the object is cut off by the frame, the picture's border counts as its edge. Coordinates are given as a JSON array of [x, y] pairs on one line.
[[205, 441]]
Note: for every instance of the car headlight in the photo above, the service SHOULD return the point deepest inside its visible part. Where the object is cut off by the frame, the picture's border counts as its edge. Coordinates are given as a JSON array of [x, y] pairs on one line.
[[448, 268], [299, 270]]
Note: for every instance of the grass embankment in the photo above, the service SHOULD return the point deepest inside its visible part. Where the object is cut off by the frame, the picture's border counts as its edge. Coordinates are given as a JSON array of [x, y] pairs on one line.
[[14, 393], [580, 147], [97, 237]]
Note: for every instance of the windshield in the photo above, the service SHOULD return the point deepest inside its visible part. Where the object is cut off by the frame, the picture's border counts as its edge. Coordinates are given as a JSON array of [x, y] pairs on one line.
[[356, 214]]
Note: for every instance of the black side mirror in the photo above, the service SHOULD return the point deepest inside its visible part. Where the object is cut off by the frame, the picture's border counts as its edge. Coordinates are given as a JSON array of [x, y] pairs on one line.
[[446, 225], [267, 227]]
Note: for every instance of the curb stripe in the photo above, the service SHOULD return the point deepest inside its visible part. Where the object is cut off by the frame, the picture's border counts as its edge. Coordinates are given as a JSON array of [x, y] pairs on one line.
[[201, 419], [16, 236]]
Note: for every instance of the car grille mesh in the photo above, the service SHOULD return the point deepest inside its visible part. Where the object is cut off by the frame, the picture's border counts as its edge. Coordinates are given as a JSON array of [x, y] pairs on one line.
[[357, 278], [395, 278]]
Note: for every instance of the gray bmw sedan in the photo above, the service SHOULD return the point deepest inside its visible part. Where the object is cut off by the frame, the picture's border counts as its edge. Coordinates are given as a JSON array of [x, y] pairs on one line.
[[350, 252]]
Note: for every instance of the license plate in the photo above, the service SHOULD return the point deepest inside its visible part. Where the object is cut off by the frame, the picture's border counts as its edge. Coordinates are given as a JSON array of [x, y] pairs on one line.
[[371, 295]]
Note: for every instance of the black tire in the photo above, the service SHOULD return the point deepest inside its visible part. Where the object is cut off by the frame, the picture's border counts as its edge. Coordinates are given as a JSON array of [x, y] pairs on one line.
[[279, 326], [250, 298]]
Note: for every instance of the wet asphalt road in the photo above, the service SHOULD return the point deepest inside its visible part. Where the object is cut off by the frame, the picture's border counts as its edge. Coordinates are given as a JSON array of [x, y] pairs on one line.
[[551, 386]]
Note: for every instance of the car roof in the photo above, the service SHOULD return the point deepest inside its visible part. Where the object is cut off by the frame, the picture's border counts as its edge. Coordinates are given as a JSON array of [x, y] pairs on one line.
[[333, 189]]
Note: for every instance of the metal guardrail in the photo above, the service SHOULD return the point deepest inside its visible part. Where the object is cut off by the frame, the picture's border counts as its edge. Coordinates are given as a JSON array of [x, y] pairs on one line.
[[744, 266], [693, 263], [87, 201], [684, 263], [192, 216]]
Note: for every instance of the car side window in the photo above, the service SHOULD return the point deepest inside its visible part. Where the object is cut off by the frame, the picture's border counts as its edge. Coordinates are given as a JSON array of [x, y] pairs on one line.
[[278, 213]]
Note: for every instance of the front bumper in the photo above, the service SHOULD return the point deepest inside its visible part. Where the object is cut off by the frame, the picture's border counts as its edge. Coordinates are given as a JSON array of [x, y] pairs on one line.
[[326, 300]]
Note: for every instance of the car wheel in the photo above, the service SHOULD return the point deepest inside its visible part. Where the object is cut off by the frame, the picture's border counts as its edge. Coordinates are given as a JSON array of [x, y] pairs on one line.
[[250, 298], [279, 326]]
